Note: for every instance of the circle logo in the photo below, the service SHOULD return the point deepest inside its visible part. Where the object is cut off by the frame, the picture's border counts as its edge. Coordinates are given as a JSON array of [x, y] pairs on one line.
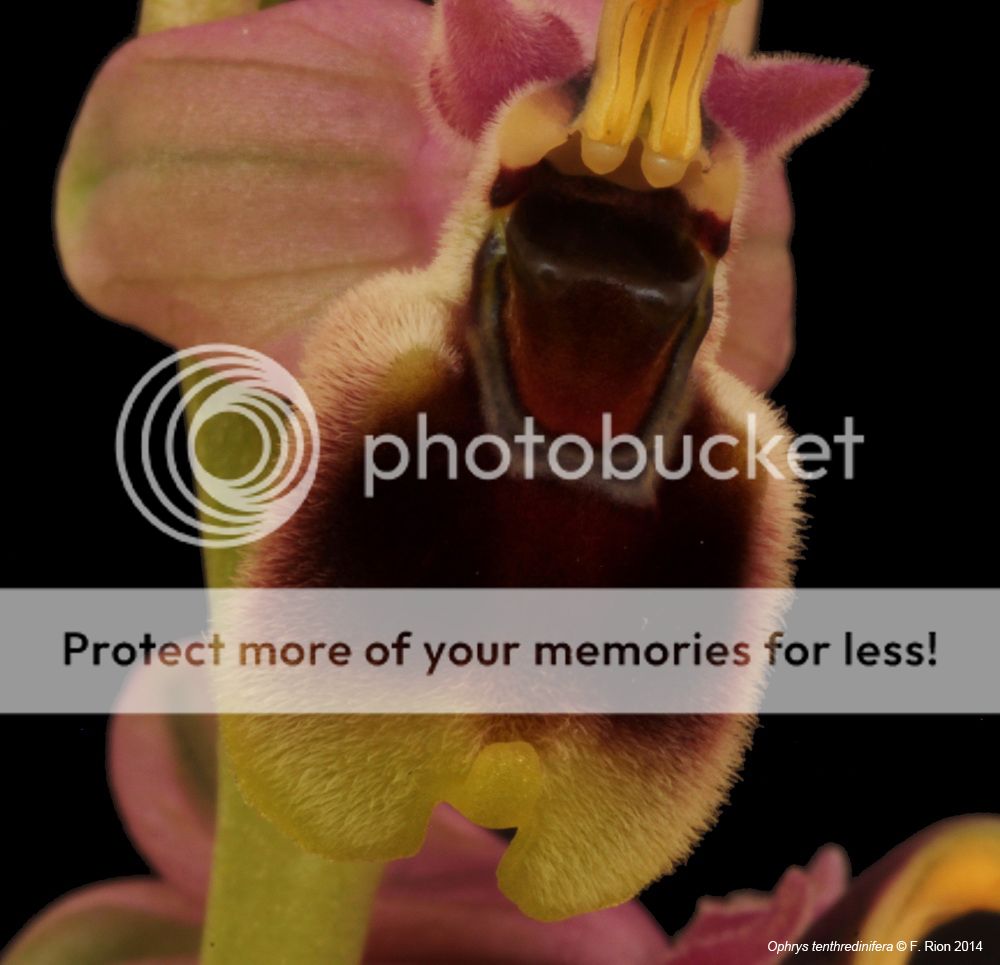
[[250, 413]]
